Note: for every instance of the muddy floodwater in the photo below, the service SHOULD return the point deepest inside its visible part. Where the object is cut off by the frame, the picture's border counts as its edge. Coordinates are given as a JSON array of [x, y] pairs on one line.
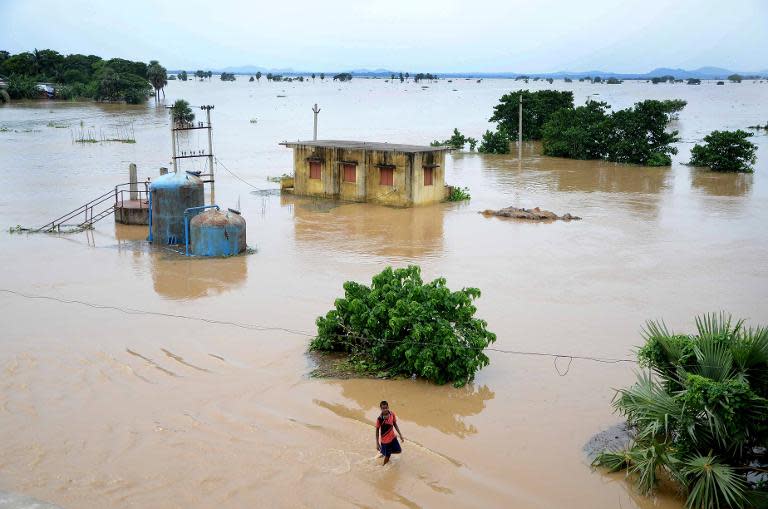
[[104, 405]]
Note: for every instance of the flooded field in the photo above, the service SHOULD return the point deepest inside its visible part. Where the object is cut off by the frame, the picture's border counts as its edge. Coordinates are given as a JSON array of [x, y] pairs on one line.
[[184, 383]]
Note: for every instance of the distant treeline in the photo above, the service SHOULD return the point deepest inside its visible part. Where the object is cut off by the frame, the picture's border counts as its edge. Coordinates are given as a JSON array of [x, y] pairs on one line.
[[79, 76]]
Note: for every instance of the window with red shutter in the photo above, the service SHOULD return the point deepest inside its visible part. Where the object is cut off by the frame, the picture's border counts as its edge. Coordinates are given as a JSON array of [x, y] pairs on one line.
[[387, 176], [314, 169], [428, 176], [350, 173]]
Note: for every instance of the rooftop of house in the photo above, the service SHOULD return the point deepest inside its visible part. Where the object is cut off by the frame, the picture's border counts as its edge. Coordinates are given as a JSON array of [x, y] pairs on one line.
[[365, 145]]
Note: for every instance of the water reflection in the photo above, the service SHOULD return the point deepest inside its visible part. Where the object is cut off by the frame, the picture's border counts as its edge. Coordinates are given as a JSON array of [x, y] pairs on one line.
[[721, 184], [366, 228], [440, 407], [180, 278]]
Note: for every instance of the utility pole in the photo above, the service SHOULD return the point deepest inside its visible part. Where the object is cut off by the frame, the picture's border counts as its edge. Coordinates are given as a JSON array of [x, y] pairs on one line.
[[173, 144], [208, 109], [315, 110], [520, 129]]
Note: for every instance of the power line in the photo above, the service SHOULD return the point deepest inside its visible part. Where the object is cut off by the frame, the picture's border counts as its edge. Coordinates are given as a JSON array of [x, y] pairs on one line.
[[218, 161], [256, 327]]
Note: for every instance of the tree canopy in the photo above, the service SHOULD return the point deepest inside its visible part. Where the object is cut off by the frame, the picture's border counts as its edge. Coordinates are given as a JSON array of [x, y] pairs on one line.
[[725, 151], [77, 76], [633, 135], [538, 107], [401, 325]]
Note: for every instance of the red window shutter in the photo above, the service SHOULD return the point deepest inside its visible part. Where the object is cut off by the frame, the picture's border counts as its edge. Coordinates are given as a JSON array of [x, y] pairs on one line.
[[314, 169], [428, 176], [350, 173], [387, 176]]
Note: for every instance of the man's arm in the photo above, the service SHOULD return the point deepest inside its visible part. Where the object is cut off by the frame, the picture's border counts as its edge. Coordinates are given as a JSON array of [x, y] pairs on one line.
[[398, 432], [378, 447]]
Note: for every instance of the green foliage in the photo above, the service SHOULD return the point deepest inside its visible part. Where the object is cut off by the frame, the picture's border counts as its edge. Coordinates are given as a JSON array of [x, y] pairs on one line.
[[578, 133], [183, 76], [538, 107], [22, 87], [157, 76], [456, 141], [227, 76], [181, 113], [495, 142], [693, 81], [634, 135], [725, 151], [735, 78], [459, 194], [344, 76], [403, 326], [78, 76], [701, 414]]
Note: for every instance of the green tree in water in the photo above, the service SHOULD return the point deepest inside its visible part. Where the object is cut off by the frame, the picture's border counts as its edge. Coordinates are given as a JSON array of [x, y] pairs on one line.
[[725, 151], [495, 142], [538, 107], [402, 326], [700, 414], [158, 77], [181, 113]]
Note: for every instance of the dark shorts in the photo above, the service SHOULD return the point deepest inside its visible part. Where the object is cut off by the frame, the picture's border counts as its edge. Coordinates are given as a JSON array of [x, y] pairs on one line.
[[391, 448]]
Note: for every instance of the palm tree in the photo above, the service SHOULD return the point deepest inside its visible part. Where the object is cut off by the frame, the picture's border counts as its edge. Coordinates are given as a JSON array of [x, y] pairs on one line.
[[258, 75], [181, 113], [158, 77], [700, 414]]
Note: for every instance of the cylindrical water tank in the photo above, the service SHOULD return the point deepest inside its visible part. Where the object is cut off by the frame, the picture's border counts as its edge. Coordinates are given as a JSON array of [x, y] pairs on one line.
[[169, 196], [217, 233]]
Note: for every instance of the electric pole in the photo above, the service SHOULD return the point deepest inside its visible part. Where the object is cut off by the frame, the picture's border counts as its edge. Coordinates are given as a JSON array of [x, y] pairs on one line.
[[315, 110], [520, 129], [208, 109]]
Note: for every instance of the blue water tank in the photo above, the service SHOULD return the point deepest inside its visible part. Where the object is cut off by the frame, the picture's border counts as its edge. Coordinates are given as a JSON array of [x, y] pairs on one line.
[[169, 196], [217, 233]]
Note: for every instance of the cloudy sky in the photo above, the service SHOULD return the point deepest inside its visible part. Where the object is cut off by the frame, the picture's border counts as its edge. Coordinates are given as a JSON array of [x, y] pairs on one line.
[[416, 35]]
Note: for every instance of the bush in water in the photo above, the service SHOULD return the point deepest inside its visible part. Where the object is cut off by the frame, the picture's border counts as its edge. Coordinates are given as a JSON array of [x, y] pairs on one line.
[[403, 326], [725, 151]]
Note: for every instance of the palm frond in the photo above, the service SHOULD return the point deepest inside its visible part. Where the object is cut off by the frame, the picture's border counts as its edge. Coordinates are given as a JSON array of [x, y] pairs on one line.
[[717, 326], [751, 348], [712, 485], [648, 406], [714, 359]]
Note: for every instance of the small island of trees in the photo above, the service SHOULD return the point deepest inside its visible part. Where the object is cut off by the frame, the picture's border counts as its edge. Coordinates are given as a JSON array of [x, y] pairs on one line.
[[77, 76]]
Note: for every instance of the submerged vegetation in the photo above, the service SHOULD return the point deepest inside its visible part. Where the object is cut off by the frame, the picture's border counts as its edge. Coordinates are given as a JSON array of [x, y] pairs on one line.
[[182, 113], [402, 326], [76, 76], [725, 151], [700, 416], [633, 135], [459, 194], [538, 107], [457, 141]]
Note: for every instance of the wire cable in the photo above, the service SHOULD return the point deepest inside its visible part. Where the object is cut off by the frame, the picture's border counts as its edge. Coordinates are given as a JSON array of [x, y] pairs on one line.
[[218, 161], [297, 332]]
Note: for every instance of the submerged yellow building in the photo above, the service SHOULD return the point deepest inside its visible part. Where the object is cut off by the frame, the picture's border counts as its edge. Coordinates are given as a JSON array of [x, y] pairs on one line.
[[386, 173]]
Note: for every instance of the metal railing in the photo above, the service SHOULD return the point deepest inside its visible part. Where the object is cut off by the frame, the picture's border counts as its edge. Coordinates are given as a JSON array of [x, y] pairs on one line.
[[114, 198]]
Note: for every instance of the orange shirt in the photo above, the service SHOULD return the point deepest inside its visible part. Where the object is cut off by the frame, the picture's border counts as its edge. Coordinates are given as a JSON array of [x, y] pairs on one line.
[[386, 425]]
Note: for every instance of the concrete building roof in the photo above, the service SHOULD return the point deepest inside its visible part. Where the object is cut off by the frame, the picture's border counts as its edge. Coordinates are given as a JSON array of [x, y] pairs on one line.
[[365, 145]]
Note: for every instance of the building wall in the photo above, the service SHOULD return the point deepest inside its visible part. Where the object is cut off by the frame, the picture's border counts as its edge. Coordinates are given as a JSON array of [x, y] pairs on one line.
[[408, 177]]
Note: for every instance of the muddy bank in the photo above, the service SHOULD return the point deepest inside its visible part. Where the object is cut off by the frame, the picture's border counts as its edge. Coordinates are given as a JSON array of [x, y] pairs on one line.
[[614, 438], [535, 214]]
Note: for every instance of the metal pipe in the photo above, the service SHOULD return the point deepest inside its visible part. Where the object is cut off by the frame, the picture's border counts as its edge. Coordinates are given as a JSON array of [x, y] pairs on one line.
[[186, 223]]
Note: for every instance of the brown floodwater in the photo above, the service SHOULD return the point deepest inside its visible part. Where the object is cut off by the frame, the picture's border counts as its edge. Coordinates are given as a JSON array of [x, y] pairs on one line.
[[104, 407]]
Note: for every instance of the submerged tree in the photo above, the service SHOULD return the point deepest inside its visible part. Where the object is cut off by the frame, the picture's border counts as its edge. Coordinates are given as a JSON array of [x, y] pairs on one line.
[[402, 326], [700, 415], [725, 151], [538, 107], [181, 113], [495, 142], [158, 77]]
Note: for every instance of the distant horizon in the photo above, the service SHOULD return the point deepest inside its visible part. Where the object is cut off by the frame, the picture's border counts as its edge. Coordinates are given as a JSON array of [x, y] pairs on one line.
[[437, 36]]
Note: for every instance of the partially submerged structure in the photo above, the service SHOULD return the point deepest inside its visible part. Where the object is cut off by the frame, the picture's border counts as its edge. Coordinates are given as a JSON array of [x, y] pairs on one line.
[[386, 173]]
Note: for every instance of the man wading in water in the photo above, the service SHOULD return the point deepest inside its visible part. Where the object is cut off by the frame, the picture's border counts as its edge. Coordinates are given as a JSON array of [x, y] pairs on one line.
[[386, 424]]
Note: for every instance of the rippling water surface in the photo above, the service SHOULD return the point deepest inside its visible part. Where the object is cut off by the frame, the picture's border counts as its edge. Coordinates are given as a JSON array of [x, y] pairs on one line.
[[108, 408]]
